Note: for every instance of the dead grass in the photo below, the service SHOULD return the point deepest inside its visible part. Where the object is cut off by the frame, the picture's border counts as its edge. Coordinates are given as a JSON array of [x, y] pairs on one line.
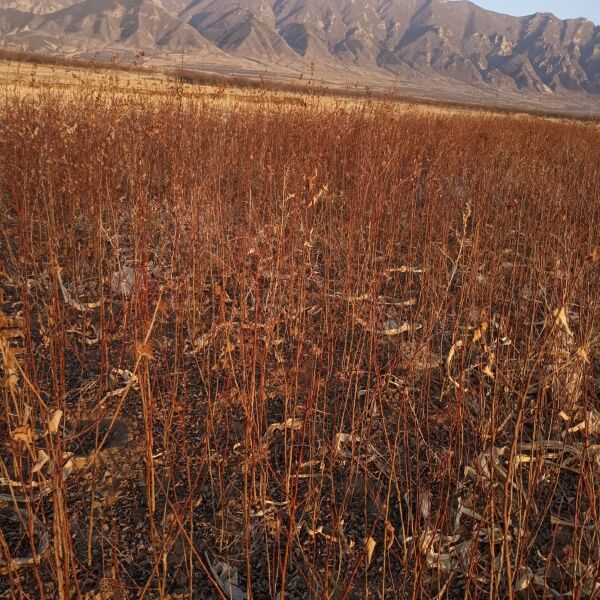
[[73, 78], [252, 348]]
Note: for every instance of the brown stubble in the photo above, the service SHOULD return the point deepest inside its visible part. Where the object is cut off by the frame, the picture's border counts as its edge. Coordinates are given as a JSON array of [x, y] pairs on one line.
[[339, 322]]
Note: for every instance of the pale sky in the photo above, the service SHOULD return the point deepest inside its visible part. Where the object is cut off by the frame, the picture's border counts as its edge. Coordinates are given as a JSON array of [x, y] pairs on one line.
[[565, 9]]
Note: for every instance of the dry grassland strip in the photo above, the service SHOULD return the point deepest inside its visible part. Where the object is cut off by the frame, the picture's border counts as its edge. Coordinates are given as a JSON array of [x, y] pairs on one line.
[[28, 78]]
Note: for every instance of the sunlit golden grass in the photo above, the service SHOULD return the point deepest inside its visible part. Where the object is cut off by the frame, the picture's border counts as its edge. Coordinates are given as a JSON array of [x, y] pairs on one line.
[[258, 348], [72, 81]]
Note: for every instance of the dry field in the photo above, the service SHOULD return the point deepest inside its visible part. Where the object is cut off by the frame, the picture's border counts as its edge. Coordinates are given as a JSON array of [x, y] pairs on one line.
[[265, 346], [23, 78]]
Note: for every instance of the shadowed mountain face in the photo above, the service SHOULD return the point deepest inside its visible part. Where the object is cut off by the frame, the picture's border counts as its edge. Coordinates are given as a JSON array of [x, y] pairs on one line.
[[453, 41]]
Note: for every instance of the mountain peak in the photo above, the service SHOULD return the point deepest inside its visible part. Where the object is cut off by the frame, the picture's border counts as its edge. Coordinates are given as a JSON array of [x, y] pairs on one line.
[[445, 44]]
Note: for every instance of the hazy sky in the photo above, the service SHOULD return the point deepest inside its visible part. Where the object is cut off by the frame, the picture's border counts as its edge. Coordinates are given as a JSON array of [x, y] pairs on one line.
[[565, 9]]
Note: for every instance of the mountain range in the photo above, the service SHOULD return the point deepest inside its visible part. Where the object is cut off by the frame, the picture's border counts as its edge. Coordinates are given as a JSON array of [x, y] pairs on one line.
[[439, 47]]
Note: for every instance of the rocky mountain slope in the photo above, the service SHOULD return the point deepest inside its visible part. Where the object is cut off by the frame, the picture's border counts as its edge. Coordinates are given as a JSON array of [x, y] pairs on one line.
[[455, 43]]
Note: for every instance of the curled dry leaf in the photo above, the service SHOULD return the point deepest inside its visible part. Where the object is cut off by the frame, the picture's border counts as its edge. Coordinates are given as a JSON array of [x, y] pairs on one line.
[[87, 339], [480, 332], [42, 459], [14, 564], [529, 578], [465, 507], [290, 423], [9, 364], [370, 544], [342, 438], [123, 281], [488, 463], [591, 422], [391, 328], [68, 465], [24, 493], [454, 347], [439, 550], [582, 353], [403, 269], [80, 306], [23, 434], [526, 579], [562, 321], [54, 421], [129, 379], [316, 198], [381, 300], [425, 504], [488, 370], [319, 530], [557, 521], [226, 577], [389, 536], [594, 453]]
